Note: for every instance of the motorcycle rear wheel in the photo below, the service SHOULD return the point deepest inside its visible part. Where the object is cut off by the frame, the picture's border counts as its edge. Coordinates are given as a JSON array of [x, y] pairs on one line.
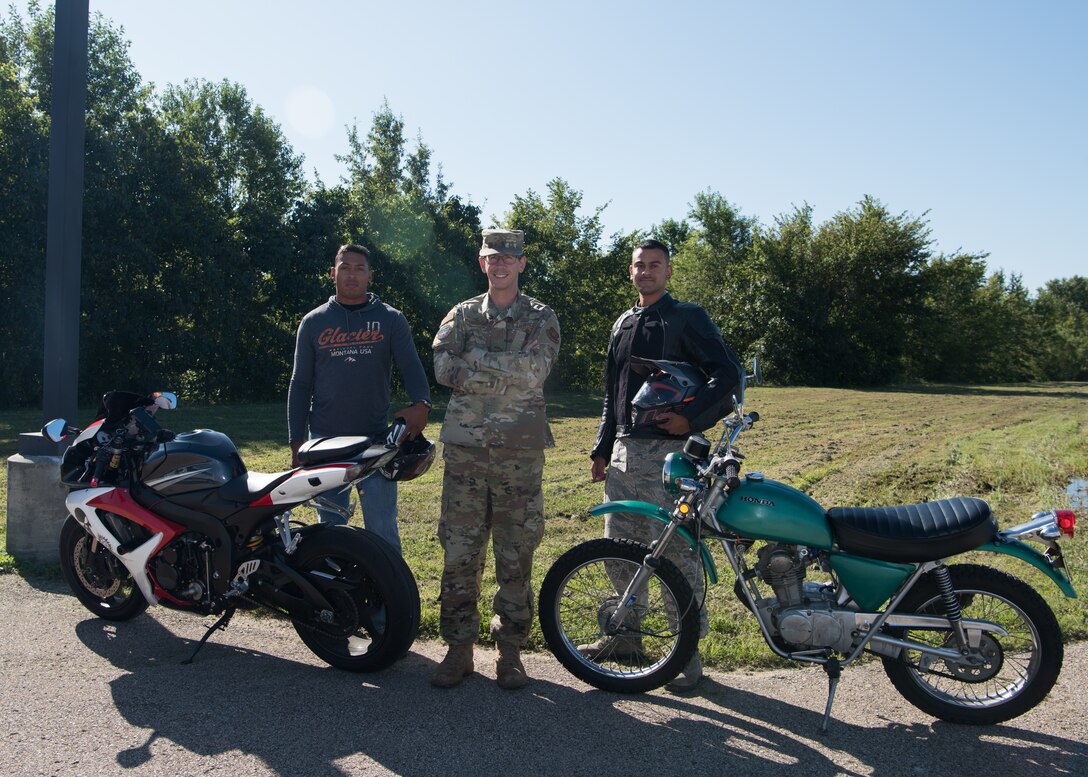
[[97, 578], [374, 595], [580, 593], [1017, 670]]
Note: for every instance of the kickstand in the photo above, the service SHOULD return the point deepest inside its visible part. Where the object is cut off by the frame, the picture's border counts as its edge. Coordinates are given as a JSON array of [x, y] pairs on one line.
[[224, 619], [834, 672]]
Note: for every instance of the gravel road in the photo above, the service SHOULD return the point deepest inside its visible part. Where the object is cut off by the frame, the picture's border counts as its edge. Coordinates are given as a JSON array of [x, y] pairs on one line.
[[82, 696]]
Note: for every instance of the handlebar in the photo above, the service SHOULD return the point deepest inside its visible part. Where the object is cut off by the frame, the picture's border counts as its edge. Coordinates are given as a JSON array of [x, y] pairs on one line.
[[397, 433], [731, 473], [109, 454]]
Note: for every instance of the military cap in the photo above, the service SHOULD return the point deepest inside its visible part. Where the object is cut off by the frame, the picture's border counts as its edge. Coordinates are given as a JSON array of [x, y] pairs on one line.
[[503, 241]]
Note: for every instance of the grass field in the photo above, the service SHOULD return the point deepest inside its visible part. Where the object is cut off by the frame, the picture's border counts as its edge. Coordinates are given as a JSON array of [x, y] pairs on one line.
[[1018, 447]]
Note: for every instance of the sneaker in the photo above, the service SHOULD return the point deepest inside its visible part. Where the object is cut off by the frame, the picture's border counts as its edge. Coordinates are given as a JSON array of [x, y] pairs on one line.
[[688, 678], [616, 648]]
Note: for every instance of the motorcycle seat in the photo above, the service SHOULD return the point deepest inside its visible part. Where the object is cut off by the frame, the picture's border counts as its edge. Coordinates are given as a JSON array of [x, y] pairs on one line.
[[251, 486], [321, 450], [914, 533]]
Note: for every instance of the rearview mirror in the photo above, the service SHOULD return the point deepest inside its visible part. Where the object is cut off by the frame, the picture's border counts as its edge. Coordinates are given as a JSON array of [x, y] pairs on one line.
[[56, 430], [167, 400], [757, 372]]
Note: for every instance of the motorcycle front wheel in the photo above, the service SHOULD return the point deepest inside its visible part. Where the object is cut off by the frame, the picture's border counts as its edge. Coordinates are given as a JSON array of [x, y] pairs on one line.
[[375, 600], [580, 594], [1005, 675], [97, 578]]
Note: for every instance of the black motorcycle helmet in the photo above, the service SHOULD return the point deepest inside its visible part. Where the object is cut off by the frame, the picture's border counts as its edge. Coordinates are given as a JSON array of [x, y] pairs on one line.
[[413, 459], [669, 386]]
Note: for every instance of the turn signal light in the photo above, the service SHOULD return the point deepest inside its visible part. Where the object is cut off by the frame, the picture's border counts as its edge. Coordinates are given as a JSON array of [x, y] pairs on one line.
[[1067, 521]]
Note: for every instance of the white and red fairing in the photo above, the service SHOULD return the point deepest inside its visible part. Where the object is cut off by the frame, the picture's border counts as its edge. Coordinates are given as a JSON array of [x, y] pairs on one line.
[[87, 506], [301, 485], [89, 432]]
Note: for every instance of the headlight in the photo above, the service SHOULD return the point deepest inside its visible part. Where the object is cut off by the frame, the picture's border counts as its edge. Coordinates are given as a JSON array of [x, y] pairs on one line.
[[676, 467]]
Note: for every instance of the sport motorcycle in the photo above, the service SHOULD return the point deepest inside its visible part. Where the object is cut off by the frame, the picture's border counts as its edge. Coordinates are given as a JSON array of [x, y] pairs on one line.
[[178, 520], [963, 642]]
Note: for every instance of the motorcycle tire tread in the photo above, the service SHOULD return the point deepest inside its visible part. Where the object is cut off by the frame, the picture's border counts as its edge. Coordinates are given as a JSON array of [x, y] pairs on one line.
[[1032, 605], [397, 586], [565, 651], [127, 609]]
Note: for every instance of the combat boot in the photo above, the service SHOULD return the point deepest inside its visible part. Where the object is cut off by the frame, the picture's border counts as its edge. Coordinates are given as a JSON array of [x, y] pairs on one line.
[[509, 671], [688, 678], [455, 667], [620, 648]]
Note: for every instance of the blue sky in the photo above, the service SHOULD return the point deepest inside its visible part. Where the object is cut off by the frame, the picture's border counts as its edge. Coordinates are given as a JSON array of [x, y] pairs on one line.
[[974, 112]]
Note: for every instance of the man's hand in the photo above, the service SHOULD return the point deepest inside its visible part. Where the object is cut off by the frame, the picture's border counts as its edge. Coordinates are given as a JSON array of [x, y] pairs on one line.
[[674, 424], [415, 418], [597, 471], [295, 445]]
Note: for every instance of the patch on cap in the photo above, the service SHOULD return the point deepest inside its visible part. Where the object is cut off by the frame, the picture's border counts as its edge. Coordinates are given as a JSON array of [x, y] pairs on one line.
[[503, 241]]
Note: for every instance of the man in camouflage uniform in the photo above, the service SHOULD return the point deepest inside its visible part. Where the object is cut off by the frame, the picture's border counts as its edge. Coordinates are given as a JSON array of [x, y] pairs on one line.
[[494, 351]]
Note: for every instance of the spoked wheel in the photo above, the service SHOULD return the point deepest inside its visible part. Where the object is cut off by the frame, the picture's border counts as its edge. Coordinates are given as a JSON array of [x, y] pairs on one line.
[[1005, 674], [97, 578], [374, 600], [581, 593]]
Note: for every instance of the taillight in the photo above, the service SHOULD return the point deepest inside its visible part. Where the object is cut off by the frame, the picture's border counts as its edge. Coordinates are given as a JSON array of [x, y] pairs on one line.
[[1066, 520]]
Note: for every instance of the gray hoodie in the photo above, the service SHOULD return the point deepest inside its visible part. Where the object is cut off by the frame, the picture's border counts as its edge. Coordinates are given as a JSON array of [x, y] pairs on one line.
[[340, 384]]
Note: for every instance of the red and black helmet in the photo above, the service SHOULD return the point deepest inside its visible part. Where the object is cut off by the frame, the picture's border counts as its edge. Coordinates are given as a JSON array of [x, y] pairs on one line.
[[668, 388]]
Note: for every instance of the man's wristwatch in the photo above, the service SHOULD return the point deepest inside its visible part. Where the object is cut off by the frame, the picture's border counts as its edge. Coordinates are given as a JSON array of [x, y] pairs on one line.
[[426, 402]]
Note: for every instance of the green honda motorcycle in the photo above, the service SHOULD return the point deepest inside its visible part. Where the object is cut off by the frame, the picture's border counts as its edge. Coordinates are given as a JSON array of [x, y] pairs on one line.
[[965, 642]]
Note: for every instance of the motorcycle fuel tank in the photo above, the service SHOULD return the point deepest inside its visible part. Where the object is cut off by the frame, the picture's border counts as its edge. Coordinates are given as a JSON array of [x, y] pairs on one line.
[[764, 509], [193, 461]]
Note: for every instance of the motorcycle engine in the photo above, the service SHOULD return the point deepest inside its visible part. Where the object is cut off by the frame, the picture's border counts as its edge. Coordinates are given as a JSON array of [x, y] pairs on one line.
[[805, 614], [179, 568], [780, 567]]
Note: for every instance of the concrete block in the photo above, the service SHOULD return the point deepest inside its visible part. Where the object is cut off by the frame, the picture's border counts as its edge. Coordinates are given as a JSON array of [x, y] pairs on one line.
[[36, 509]]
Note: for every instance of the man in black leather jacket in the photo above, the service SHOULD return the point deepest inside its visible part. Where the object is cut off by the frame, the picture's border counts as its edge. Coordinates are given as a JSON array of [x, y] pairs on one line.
[[629, 456]]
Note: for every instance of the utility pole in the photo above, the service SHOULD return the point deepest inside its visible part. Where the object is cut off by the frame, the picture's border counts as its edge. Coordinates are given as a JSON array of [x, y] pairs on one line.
[[64, 220], [35, 496]]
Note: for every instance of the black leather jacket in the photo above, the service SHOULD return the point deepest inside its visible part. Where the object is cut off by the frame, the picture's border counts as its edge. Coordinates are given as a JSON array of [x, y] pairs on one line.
[[689, 336]]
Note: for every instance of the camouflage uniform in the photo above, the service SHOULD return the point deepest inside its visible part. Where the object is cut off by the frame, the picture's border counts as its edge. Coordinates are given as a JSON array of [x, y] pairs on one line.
[[494, 437], [634, 472]]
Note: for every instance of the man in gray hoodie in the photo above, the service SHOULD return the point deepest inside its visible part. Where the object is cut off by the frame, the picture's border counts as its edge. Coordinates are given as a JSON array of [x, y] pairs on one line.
[[340, 384]]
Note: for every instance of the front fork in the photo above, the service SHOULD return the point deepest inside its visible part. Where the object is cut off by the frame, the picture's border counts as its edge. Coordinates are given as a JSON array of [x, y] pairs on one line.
[[650, 563]]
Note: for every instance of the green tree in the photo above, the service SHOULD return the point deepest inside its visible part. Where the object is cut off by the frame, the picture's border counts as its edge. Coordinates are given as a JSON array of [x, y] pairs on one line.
[[23, 175], [233, 280], [567, 270], [423, 240], [119, 293], [1062, 309], [951, 304], [841, 299], [714, 267]]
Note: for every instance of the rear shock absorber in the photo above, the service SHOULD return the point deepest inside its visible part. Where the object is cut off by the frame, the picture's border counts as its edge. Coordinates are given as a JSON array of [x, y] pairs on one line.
[[952, 608]]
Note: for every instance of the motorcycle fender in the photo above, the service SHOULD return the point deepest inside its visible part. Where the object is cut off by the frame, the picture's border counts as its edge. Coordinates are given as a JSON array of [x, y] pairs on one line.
[[662, 515], [1025, 552]]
